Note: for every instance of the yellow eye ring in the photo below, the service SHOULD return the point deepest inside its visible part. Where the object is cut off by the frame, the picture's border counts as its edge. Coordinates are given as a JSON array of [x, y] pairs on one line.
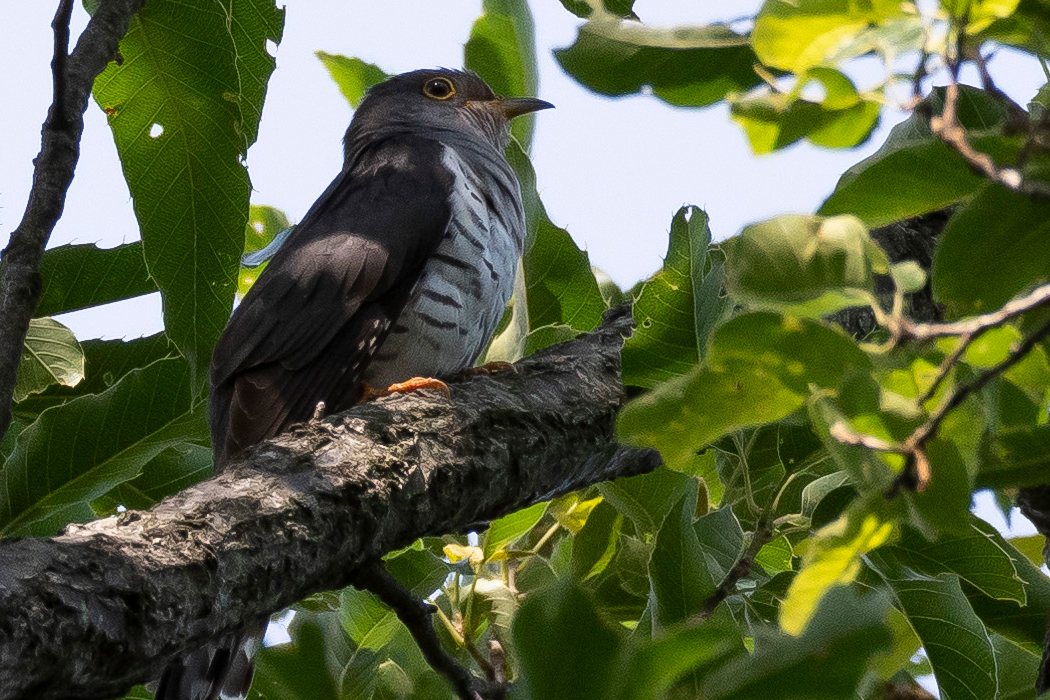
[[439, 88]]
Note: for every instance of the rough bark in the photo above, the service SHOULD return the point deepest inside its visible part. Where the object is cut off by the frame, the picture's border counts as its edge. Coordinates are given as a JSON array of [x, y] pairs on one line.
[[108, 604]]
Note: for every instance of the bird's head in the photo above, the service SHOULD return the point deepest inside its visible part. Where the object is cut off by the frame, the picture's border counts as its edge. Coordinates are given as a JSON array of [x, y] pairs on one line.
[[436, 100]]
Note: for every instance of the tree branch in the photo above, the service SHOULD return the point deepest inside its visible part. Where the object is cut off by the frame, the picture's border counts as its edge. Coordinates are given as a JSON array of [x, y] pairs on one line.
[[73, 77], [108, 604]]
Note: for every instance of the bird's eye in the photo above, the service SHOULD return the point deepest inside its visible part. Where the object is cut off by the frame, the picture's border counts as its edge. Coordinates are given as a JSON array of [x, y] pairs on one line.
[[439, 88]]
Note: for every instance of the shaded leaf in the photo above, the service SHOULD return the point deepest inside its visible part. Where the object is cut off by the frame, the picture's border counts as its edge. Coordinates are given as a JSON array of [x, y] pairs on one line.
[[567, 651], [680, 581], [915, 172], [975, 557], [826, 663], [685, 66], [184, 108], [78, 276], [1001, 225], [56, 470], [648, 498], [955, 640]]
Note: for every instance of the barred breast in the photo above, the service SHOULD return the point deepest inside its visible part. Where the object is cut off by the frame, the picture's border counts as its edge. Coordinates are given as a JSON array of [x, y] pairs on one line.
[[466, 284]]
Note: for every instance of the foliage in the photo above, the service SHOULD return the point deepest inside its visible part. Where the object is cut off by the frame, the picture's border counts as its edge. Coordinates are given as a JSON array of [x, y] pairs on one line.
[[838, 468]]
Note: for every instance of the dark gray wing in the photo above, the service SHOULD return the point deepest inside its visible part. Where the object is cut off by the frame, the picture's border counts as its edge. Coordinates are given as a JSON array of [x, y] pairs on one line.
[[310, 324]]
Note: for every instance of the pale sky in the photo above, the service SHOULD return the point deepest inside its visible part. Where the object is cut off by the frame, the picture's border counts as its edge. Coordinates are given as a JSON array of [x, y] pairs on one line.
[[611, 171]]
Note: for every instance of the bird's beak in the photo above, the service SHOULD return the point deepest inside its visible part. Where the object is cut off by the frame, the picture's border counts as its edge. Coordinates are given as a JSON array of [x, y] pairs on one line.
[[517, 106]]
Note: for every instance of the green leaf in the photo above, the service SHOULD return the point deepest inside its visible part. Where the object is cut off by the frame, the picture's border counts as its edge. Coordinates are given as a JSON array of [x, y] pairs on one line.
[[502, 50], [567, 651], [915, 172], [1023, 625], [721, 539], [81, 450], [50, 355], [583, 8], [1017, 669], [803, 264], [366, 620], [418, 568], [685, 66], [761, 367], [1016, 457], [655, 667], [798, 351], [678, 306], [555, 285], [184, 107], [1027, 28], [105, 362], [776, 556], [79, 276], [677, 418], [832, 557], [1001, 225], [975, 557], [352, 75], [302, 669], [512, 527], [648, 498], [775, 120], [826, 663], [797, 36], [955, 640], [171, 471], [546, 336], [596, 544], [679, 579], [908, 276], [264, 225]]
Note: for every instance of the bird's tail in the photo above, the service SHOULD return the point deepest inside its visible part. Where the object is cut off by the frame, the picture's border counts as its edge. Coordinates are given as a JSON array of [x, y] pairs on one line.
[[220, 671]]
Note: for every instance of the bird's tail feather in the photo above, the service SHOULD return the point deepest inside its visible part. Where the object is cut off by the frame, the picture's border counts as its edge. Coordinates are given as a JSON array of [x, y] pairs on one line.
[[221, 671]]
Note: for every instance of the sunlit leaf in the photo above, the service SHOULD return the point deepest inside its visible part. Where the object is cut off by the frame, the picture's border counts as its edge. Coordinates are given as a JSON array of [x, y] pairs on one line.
[[832, 557], [678, 307], [50, 355], [352, 75], [803, 264]]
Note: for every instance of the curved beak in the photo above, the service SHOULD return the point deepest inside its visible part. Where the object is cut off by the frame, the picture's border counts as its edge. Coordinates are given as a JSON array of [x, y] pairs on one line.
[[517, 106]]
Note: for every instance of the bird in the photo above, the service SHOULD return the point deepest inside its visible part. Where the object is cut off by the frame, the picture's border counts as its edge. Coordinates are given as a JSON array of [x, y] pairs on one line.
[[395, 278]]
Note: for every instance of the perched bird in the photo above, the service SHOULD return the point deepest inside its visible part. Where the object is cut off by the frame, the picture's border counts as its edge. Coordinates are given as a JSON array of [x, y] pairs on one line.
[[401, 269]]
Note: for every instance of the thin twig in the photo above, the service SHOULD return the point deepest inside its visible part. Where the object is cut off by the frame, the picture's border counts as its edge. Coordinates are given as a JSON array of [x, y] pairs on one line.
[[762, 535], [946, 126], [946, 367], [975, 325], [415, 614], [916, 473]]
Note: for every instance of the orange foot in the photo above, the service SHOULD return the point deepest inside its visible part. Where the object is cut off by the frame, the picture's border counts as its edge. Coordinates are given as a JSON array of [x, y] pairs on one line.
[[490, 368], [370, 393]]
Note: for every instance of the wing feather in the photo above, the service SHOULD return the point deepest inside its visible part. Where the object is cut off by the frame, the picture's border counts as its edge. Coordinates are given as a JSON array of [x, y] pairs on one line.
[[310, 324]]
